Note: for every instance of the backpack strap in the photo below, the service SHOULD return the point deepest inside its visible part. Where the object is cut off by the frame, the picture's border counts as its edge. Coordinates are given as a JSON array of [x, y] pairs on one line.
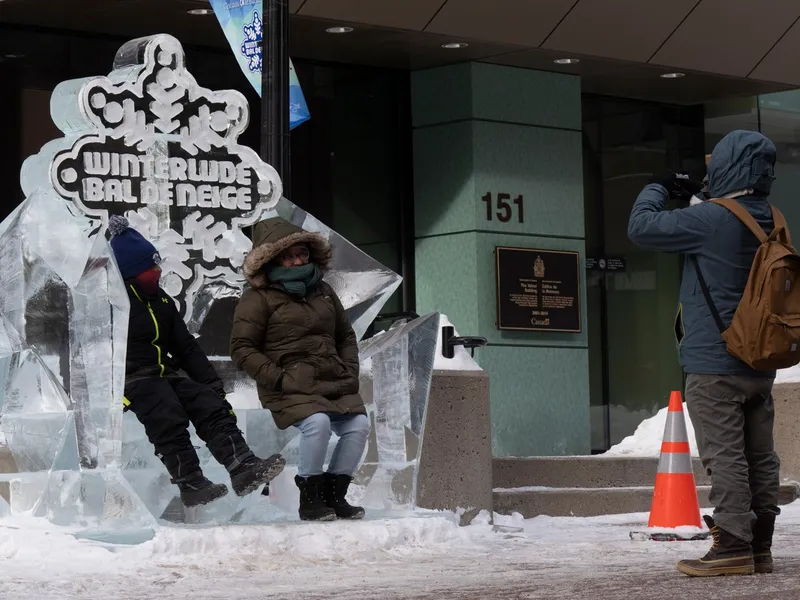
[[741, 213], [779, 221], [707, 294]]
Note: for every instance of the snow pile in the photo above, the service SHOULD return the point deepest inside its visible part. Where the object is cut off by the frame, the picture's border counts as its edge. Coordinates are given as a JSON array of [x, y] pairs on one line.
[[790, 375], [40, 550], [646, 440], [299, 543], [462, 361], [515, 519]]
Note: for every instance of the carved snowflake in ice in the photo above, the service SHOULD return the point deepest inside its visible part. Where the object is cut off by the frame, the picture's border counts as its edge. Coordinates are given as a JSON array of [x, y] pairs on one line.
[[149, 143], [213, 240]]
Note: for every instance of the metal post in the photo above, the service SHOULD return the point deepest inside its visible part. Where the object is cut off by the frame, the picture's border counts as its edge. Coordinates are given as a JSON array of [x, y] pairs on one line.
[[275, 141]]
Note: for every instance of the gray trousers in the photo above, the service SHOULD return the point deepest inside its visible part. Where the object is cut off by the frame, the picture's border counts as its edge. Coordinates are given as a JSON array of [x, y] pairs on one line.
[[733, 417]]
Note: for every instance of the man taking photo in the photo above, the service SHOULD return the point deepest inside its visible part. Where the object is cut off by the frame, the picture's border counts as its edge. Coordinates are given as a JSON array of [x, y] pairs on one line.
[[729, 402]]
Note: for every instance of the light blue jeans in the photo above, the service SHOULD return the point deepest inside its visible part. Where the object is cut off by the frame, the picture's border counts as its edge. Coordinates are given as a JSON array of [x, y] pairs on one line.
[[315, 434]]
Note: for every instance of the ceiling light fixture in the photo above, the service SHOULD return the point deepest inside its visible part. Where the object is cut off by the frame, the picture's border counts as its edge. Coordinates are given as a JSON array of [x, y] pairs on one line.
[[454, 45], [566, 61], [672, 75], [200, 12], [13, 56], [339, 30]]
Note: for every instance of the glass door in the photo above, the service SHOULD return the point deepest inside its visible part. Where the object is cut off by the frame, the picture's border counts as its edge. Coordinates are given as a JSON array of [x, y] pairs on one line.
[[633, 355]]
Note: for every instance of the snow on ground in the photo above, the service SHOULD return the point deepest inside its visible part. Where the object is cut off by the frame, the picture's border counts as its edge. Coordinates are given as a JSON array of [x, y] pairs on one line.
[[646, 440], [423, 557], [790, 375]]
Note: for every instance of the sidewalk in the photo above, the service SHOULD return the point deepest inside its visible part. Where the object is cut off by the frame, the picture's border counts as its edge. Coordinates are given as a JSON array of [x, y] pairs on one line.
[[419, 558]]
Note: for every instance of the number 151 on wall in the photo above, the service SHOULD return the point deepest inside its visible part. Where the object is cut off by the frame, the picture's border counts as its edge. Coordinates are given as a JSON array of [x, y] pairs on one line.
[[502, 207]]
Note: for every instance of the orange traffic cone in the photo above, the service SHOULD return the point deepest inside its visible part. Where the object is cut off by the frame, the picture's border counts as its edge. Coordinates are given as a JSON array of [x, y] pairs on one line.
[[675, 496]]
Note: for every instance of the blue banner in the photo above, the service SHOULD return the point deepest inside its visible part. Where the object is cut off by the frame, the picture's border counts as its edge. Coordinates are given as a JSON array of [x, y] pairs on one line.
[[243, 25]]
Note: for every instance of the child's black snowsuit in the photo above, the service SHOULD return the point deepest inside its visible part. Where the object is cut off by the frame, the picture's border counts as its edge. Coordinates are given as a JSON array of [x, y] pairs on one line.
[[159, 345]]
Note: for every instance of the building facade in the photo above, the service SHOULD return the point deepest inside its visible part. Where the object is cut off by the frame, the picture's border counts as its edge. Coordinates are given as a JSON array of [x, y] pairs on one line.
[[441, 131]]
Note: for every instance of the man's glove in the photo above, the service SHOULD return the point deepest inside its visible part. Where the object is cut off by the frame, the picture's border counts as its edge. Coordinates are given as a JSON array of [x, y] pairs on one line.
[[665, 180], [678, 185]]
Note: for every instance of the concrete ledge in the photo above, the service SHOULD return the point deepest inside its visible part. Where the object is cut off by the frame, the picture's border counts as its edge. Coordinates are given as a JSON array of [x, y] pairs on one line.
[[583, 502], [7, 462], [583, 471], [7, 465], [455, 469], [787, 428]]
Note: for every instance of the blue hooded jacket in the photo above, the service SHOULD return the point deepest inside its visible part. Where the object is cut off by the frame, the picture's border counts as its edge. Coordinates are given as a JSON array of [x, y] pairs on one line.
[[723, 246]]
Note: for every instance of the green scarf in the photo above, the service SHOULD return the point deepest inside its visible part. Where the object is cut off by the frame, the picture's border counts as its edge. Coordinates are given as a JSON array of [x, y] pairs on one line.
[[297, 281]]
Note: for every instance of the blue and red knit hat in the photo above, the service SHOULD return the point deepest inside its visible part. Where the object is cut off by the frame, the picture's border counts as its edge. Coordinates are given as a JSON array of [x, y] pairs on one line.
[[134, 254]]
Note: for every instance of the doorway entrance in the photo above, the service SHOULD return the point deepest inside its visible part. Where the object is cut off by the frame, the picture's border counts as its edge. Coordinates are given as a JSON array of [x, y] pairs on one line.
[[633, 356]]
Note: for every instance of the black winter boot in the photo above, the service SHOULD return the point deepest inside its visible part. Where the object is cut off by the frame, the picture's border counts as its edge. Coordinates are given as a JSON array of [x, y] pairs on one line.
[[335, 491], [762, 543], [197, 490], [254, 472], [312, 501], [246, 469], [728, 556]]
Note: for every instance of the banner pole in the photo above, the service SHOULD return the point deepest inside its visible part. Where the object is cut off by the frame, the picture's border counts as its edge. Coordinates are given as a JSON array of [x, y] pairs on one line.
[[275, 137]]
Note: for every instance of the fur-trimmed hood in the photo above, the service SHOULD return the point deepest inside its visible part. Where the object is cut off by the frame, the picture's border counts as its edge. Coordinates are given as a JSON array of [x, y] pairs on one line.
[[273, 236]]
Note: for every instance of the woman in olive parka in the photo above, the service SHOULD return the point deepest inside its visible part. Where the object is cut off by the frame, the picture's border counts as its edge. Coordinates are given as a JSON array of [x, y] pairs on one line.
[[291, 334]]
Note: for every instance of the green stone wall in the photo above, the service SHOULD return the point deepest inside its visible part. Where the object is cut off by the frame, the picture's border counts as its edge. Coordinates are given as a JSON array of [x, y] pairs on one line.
[[479, 129]]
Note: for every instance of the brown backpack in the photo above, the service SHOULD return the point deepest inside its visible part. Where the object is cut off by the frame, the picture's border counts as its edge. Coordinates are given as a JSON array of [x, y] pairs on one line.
[[765, 330]]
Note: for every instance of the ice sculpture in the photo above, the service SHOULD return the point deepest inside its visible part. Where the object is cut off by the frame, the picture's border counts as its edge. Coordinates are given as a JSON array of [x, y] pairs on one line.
[[149, 143], [63, 326], [397, 367]]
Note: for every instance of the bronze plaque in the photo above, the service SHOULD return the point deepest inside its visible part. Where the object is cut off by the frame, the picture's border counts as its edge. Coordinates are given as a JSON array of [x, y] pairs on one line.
[[538, 290]]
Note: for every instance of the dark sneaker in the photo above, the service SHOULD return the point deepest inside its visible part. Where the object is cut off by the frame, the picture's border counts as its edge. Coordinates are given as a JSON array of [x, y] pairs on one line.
[[335, 491], [254, 472], [312, 501], [762, 543], [196, 490], [728, 556]]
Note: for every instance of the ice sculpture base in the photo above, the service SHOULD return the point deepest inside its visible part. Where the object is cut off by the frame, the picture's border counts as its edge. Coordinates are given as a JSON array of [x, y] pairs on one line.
[[92, 502], [116, 537], [125, 501]]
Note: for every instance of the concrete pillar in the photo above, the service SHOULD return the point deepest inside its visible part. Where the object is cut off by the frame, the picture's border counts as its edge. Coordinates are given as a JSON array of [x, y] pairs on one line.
[[455, 468], [787, 429], [487, 129]]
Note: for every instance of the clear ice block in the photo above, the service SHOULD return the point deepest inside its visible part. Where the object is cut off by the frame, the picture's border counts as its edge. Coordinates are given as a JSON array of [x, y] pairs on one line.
[[97, 500], [98, 331], [66, 308], [397, 371], [63, 331]]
